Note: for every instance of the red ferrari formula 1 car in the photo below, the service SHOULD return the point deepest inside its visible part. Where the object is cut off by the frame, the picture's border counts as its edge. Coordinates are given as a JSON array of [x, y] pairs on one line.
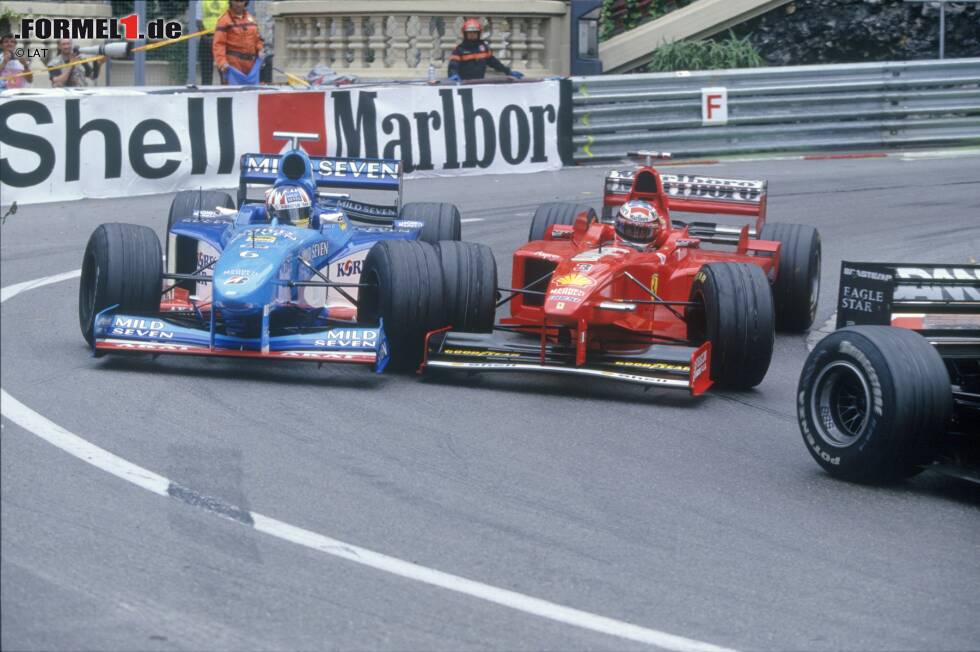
[[697, 304]]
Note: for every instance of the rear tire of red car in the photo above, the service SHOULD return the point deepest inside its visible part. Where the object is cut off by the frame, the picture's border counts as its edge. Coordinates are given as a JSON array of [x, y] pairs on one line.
[[183, 205], [797, 286], [872, 403], [733, 309], [441, 221], [556, 213], [405, 290], [122, 266], [470, 281]]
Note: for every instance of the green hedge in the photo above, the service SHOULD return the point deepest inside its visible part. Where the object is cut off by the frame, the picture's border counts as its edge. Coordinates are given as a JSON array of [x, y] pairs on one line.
[[705, 55]]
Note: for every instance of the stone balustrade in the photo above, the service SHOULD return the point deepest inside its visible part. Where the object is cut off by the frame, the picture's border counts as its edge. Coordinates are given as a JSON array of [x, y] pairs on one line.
[[399, 39]]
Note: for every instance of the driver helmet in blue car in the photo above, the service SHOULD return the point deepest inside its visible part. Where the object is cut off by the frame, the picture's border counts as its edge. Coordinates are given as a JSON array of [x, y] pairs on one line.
[[639, 223], [289, 205]]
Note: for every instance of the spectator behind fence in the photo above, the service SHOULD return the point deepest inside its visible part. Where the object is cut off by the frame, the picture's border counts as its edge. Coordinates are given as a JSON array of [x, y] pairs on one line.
[[237, 42], [207, 13], [71, 76], [13, 65], [471, 57]]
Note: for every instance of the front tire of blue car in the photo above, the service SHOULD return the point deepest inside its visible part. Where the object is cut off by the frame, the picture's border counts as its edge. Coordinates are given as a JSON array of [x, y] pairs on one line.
[[404, 288], [440, 221], [122, 266]]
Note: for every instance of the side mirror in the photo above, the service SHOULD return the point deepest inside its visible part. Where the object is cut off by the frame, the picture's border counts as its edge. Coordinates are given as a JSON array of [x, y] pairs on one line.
[[581, 224]]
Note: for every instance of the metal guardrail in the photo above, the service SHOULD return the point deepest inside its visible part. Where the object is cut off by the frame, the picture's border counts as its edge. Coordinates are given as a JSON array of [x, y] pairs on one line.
[[769, 109]]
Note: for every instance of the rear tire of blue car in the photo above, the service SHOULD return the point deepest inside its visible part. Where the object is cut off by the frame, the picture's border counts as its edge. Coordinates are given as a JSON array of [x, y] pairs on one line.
[[873, 403], [470, 280], [440, 221], [404, 288], [122, 266], [556, 213], [797, 286], [733, 309], [183, 206]]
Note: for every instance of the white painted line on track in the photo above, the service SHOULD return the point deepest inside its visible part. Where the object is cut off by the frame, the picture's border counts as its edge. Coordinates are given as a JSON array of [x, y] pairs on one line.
[[86, 451], [472, 219]]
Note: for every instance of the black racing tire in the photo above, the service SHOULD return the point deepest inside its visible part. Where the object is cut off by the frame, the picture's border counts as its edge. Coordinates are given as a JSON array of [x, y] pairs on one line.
[[183, 205], [122, 265], [441, 221], [405, 289], [733, 309], [557, 212], [873, 403], [797, 287], [470, 277]]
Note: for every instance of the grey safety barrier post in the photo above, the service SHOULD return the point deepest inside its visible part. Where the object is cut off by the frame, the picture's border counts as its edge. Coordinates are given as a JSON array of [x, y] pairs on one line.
[[871, 105]]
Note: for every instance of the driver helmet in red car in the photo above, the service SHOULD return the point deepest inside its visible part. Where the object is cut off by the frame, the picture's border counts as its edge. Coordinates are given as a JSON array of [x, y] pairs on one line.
[[639, 223]]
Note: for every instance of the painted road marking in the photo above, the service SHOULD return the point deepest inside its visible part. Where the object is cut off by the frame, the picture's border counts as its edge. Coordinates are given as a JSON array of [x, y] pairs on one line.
[[472, 219], [100, 458]]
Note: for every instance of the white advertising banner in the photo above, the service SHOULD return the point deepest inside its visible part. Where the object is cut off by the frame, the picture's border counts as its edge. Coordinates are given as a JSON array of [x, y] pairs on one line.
[[57, 147]]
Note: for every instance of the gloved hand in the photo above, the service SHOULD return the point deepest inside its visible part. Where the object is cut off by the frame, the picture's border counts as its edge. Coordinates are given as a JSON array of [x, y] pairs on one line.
[[454, 78], [516, 75]]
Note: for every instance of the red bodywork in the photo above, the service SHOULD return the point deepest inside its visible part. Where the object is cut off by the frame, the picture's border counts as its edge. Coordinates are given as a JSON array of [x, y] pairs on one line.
[[589, 301]]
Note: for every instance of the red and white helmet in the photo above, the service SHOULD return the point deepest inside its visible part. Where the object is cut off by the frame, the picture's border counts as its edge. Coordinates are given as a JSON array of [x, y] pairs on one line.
[[472, 25], [289, 205], [639, 222]]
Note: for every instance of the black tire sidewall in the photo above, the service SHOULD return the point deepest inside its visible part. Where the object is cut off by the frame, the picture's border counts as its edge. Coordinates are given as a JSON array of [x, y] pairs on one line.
[[849, 461], [128, 260], [441, 220], [556, 213], [800, 257]]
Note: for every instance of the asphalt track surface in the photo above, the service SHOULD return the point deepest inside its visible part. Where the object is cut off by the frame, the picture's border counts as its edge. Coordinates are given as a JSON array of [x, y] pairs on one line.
[[704, 518]]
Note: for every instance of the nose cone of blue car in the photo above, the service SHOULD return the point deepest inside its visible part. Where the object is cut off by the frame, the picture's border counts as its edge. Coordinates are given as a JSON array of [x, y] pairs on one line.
[[251, 272]]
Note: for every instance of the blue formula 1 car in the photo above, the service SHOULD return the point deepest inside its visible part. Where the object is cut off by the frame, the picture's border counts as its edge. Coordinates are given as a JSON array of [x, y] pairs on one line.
[[302, 274]]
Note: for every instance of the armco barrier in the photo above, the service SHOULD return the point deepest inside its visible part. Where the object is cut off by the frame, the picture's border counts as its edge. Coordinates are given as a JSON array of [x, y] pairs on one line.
[[790, 108]]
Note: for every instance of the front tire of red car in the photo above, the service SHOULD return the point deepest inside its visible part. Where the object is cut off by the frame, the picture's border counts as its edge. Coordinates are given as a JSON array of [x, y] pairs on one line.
[[470, 280], [872, 403], [732, 307]]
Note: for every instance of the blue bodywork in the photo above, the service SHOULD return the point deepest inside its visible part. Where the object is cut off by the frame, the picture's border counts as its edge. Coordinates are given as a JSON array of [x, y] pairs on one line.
[[276, 290]]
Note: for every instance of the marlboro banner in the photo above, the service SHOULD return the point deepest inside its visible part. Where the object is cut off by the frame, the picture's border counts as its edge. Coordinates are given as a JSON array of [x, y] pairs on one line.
[[56, 147]]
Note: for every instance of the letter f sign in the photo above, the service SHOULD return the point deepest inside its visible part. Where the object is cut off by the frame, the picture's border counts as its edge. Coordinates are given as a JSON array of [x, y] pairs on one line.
[[714, 106]]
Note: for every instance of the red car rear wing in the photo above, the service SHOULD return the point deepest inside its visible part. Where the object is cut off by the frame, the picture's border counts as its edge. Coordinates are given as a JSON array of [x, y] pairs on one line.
[[694, 194]]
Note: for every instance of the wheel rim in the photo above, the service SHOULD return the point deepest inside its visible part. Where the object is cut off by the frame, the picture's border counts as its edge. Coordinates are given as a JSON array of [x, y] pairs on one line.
[[840, 404]]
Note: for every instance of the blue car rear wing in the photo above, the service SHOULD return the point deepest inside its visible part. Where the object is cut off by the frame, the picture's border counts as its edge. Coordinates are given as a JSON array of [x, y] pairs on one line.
[[328, 172]]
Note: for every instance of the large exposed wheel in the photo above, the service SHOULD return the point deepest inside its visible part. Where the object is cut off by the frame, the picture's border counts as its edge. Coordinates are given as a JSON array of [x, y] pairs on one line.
[[873, 402], [552, 213], [733, 309], [404, 288], [441, 221], [122, 266], [797, 285], [184, 249], [470, 277]]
